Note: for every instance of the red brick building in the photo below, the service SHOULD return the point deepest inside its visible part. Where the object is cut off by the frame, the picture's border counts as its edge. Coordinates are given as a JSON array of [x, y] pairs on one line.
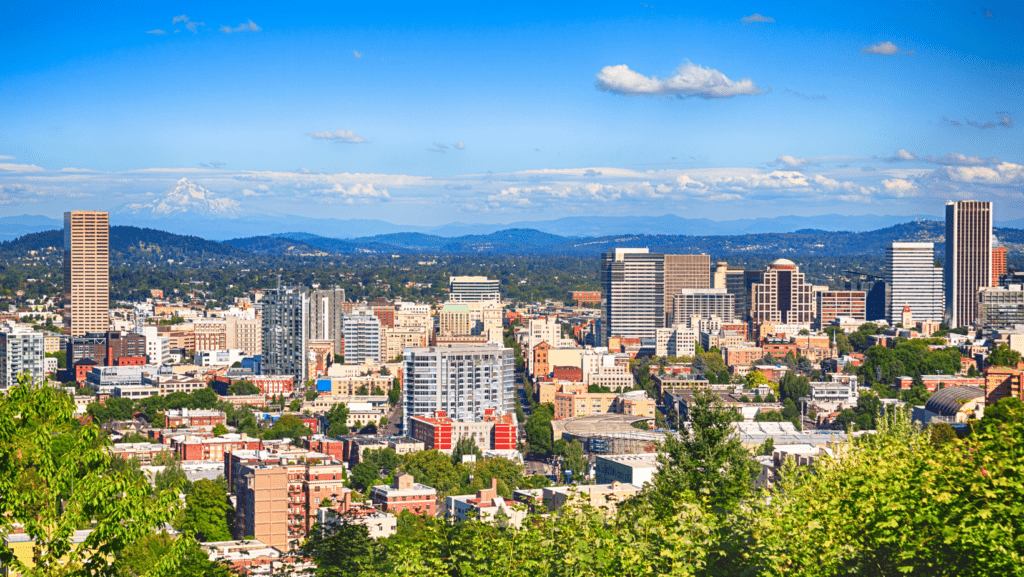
[[130, 361], [778, 346], [998, 264], [931, 382], [405, 495], [574, 374], [495, 432], [192, 448], [586, 297], [193, 418], [1002, 382]]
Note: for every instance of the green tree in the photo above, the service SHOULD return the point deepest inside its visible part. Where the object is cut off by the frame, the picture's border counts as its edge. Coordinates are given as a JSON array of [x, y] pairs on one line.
[[337, 420], [395, 392], [295, 405], [465, 446], [172, 478], [206, 511], [344, 549], [1002, 356], [539, 433], [56, 476], [709, 462], [156, 549], [311, 395], [756, 379], [941, 433], [434, 469], [242, 388], [219, 430], [288, 426], [572, 460]]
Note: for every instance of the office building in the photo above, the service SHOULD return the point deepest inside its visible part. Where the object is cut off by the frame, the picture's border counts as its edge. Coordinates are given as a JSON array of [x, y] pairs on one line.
[[464, 381], [874, 287], [782, 296], [285, 321], [703, 303], [211, 334], [1001, 307], [998, 263], [21, 351], [467, 289], [126, 348], [912, 279], [362, 337], [832, 304], [86, 293], [633, 287], [244, 334], [968, 259], [326, 317], [684, 271], [732, 279]]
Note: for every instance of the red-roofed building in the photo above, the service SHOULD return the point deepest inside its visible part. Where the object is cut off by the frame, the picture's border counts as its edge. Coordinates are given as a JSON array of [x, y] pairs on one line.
[[497, 431]]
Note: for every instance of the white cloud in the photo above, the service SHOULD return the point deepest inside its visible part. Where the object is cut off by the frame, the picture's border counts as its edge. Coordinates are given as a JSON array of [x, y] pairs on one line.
[[5, 157], [1004, 173], [356, 54], [460, 146], [689, 80], [791, 161], [338, 136], [249, 26], [900, 187], [190, 24], [887, 48], [156, 32], [756, 18], [902, 154], [957, 159], [10, 167]]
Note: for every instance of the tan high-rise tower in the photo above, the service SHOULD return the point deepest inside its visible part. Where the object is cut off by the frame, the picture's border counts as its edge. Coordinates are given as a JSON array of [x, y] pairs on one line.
[[968, 259], [86, 272]]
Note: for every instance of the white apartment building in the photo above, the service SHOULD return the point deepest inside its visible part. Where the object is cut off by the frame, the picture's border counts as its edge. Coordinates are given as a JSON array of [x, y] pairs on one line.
[[21, 351], [462, 380], [912, 279], [362, 337], [464, 289]]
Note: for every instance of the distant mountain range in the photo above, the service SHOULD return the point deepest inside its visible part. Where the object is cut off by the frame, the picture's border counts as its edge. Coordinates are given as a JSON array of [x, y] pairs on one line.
[[221, 227], [144, 245]]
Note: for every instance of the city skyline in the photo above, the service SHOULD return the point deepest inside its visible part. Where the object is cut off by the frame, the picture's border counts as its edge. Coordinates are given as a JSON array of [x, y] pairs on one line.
[[421, 115]]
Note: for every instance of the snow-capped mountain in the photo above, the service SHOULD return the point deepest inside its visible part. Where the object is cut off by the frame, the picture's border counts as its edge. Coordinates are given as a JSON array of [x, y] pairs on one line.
[[190, 198]]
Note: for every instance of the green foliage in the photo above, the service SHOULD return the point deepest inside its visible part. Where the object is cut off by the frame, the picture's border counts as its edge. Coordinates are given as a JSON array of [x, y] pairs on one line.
[[56, 476], [242, 388], [1002, 356], [766, 448], [337, 420], [572, 459], [793, 387], [172, 478], [295, 405], [62, 358], [642, 425], [465, 446], [941, 433], [288, 426], [155, 549], [710, 463], [755, 379], [343, 549], [395, 392], [539, 433], [312, 394], [434, 469], [206, 511], [219, 430]]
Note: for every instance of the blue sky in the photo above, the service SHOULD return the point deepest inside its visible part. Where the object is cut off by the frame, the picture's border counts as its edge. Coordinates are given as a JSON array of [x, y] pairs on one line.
[[424, 113]]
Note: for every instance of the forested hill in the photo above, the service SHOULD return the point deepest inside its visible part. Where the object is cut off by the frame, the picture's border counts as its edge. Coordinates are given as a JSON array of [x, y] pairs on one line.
[[521, 241], [129, 243]]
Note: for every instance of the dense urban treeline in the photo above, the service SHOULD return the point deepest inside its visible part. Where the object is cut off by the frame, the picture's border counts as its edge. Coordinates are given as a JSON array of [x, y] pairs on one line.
[[899, 501]]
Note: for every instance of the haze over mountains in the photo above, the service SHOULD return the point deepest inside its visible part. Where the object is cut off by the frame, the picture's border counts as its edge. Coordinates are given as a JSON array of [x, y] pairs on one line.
[[221, 227]]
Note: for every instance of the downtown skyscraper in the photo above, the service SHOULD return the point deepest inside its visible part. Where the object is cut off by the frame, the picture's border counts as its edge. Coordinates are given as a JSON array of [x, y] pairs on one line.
[[86, 293], [912, 280], [632, 293], [285, 332], [968, 266]]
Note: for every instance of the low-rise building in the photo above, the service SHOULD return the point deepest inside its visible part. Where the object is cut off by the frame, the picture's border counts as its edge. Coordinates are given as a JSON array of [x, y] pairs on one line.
[[487, 506], [194, 418], [144, 452], [405, 495], [636, 470], [495, 432], [603, 497]]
